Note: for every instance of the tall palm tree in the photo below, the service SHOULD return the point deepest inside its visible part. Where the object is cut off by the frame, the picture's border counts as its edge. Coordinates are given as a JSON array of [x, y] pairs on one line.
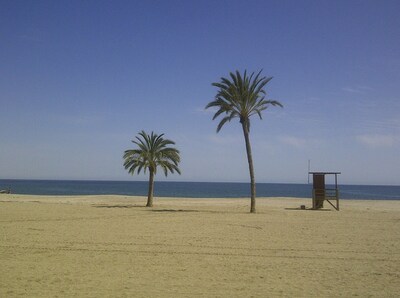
[[153, 151], [242, 97]]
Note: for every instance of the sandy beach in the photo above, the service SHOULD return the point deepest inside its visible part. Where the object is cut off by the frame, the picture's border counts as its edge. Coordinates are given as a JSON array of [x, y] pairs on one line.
[[113, 246]]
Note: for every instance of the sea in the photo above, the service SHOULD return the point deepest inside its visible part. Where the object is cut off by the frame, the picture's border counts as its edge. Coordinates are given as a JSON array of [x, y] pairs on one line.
[[191, 189]]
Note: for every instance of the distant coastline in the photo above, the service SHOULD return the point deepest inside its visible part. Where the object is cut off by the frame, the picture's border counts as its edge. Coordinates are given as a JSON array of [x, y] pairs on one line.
[[190, 189]]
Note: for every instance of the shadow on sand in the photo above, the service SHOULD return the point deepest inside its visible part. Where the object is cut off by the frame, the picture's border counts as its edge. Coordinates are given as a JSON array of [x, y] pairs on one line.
[[173, 210], [141, 206], [307, 209], [118, 206]]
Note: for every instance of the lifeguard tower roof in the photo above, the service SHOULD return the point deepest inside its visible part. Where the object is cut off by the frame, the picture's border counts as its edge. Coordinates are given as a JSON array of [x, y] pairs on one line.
[[325, 173]]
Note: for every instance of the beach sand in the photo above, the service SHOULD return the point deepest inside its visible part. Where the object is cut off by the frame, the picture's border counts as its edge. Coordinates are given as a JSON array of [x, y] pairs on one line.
[[113, 246]]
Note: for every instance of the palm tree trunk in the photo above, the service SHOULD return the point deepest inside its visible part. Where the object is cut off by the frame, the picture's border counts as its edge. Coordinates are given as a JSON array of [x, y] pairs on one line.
[[245, 127], [151, 190]]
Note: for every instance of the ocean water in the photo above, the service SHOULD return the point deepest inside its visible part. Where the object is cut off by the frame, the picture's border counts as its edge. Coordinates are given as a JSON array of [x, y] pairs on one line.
[[191, 189]]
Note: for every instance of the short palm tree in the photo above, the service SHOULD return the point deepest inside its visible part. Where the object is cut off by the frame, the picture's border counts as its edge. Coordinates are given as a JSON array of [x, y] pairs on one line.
[[242, 97], [153, 151]]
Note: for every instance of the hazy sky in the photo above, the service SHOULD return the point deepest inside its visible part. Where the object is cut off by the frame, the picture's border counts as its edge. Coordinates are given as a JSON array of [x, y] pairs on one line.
[[79, 79]]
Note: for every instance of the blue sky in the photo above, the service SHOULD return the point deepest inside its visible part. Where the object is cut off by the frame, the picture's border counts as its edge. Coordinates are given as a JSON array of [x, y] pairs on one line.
[[79, 79]]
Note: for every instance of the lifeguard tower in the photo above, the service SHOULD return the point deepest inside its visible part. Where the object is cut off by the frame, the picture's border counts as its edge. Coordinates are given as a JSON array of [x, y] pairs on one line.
[[321, 193]]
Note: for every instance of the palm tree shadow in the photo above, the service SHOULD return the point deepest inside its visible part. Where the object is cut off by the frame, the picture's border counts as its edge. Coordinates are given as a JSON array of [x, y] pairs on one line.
[[172, 210], [145, 208], [142, 206], [118, 206], [308, 209]]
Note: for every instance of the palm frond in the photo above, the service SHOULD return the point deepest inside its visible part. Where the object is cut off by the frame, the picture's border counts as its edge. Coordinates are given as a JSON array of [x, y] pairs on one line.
[[226, 119], [153, 151], [240, 96]]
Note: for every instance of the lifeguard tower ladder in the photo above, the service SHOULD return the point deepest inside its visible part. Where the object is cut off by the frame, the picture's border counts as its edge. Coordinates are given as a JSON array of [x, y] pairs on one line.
[[321, 193]]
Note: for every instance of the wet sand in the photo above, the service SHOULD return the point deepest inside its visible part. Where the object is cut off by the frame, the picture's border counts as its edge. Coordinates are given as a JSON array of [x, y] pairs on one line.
[[113, 246]]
